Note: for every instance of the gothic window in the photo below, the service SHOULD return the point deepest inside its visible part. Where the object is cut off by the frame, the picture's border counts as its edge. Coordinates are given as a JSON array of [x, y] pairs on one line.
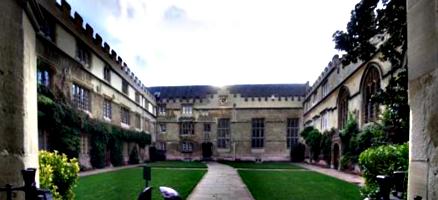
[[343, 97], [371, 85]]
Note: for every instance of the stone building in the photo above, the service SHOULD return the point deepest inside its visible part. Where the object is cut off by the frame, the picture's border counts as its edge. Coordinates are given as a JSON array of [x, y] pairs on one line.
[[71, 58], [341, 90], [237, 122], [422, 17]]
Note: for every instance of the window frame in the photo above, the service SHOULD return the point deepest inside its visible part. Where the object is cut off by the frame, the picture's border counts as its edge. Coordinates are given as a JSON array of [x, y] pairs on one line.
[[125, 87], [223, 133], [81, 101], [257, 133], [292, 131], [125, 117], [83, 54], [107, 73], [186, 128], [107, 109]]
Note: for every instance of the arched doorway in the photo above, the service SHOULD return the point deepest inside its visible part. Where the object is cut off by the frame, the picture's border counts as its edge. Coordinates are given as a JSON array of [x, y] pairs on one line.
[[336, 156]]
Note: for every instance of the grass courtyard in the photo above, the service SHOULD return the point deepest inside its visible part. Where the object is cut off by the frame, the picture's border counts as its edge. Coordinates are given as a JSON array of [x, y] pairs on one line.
[[128, 183], [292, 183]]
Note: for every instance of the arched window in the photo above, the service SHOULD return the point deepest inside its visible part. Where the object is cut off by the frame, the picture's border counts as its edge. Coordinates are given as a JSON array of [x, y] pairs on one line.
[[371, 84], [343, 97]]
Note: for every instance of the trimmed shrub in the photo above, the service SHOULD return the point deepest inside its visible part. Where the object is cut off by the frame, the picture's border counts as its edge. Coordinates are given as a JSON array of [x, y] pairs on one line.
[[297, 152], [58, 174], [313, 139], [133, 156], [382, 160], [116, 154]]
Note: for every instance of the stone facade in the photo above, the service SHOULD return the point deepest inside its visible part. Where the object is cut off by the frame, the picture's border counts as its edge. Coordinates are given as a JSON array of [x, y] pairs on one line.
[[423, 99], [74, 60], [239, 108], [18, 106], [340, 90]]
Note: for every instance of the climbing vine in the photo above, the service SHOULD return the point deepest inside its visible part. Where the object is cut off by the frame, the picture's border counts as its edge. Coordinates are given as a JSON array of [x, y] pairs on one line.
[[65, 125]]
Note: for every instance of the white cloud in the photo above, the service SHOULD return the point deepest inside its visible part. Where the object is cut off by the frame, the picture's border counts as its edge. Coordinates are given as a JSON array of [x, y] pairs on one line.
[[219, 42]]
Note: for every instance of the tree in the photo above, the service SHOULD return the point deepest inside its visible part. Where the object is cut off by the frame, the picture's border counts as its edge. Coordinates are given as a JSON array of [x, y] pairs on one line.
[[395, 118], [372, 22], [381, 22]]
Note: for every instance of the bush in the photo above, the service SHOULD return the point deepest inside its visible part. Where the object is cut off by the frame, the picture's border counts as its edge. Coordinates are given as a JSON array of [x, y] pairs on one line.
[[313, 138], [297, 152], [116, 154], [133, 156], [58, 174], [371, 135], [326, 145], [382, 160]]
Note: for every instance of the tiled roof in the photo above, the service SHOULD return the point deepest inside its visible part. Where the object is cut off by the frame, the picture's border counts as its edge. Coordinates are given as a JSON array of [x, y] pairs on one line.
[[255, 90], [192, 91], [268, 90]]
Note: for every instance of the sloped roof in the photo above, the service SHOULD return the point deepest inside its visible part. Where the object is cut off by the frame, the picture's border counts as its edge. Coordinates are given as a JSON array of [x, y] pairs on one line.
[[248, 90], [191, 91], [268, 90]]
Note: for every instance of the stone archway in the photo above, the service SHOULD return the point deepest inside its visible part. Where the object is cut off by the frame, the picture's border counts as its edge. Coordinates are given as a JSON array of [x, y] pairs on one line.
[[336, 150]]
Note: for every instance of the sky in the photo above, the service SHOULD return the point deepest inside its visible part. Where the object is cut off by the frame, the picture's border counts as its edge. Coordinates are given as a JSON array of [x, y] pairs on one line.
[[219, 42]]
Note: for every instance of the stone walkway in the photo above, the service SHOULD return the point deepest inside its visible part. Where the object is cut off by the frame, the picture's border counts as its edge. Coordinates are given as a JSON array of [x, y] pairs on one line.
[[351, 178], [221, 182]]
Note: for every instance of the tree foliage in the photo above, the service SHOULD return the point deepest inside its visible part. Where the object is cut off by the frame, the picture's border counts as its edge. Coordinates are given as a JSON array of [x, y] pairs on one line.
[[372, 22], [395, 118]]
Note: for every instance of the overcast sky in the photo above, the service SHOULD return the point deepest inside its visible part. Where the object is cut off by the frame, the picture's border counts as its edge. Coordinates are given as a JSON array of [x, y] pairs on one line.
[[219, 42]]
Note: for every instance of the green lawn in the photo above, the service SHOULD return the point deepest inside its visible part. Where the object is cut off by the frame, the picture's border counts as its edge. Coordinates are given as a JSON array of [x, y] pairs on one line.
[[297, 185], [265, 165], [128, 183], [177, 164]]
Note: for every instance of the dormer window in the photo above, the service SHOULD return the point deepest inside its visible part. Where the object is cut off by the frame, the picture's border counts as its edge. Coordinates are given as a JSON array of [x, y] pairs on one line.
[[162, 110], [125, 86], [107, 73], [83, 55], [187, 109]]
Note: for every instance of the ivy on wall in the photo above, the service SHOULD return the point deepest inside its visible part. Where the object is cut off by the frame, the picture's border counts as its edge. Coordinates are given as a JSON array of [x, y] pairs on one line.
[[65, 125]]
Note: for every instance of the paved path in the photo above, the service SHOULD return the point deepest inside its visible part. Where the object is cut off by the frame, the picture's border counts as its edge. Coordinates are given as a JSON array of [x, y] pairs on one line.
[[351, 178], [220, 183]]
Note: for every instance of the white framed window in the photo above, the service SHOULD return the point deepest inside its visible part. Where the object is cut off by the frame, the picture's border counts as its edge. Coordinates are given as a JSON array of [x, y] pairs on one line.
[[187, 109]]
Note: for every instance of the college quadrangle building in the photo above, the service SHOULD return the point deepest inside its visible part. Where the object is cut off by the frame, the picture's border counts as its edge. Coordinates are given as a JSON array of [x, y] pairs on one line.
[[45, 45]]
